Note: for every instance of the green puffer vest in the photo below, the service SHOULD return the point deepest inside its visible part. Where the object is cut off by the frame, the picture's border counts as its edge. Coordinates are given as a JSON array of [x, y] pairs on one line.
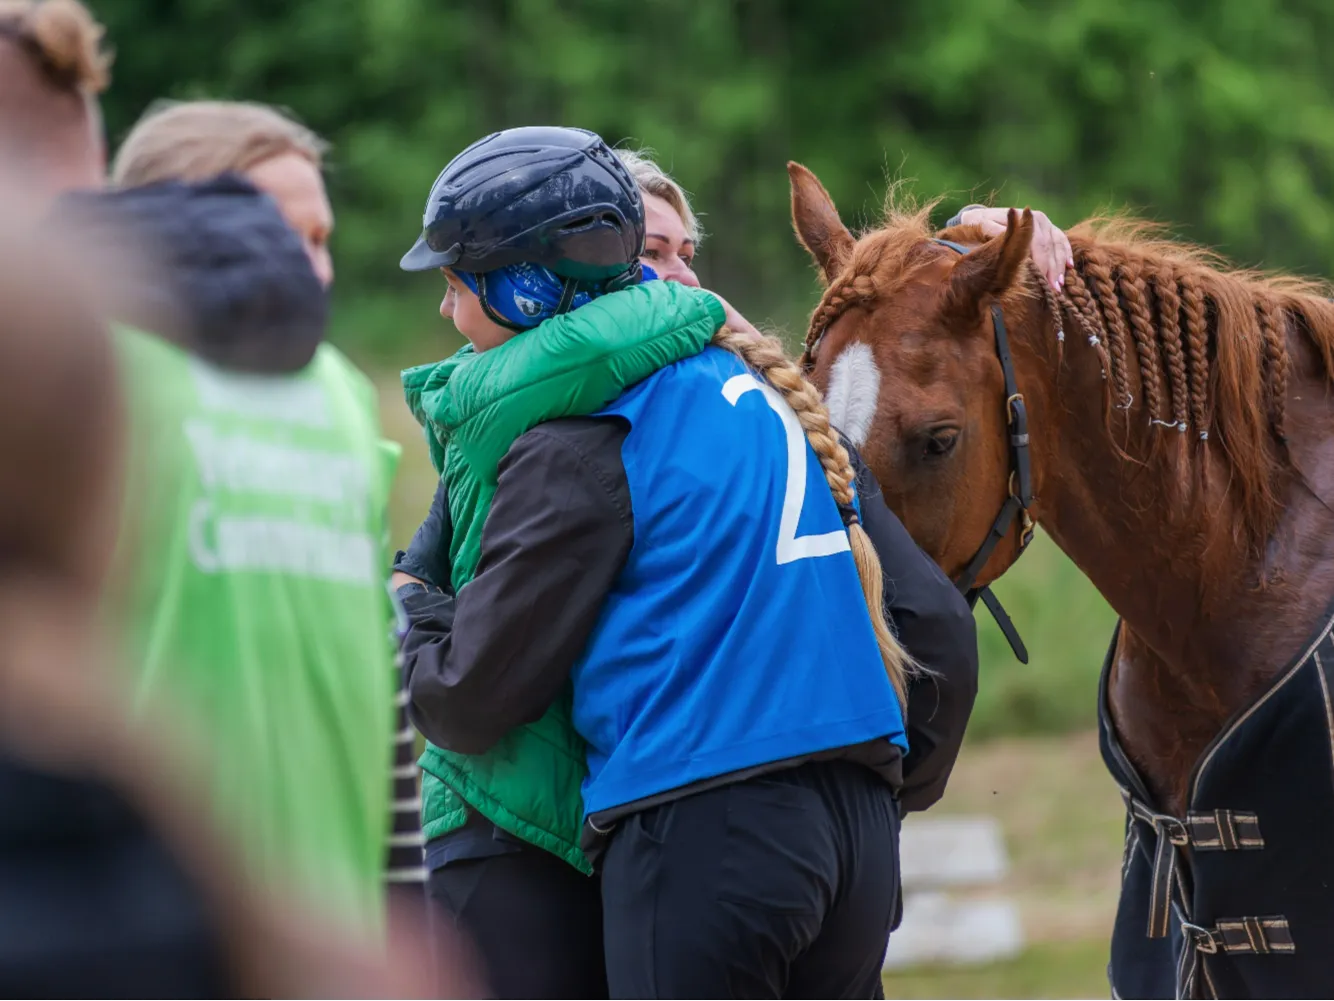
[[472, 407]]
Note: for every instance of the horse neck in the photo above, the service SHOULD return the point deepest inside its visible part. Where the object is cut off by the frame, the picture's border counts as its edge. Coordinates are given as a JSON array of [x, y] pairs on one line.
[[1147, 536], [1207, 621]]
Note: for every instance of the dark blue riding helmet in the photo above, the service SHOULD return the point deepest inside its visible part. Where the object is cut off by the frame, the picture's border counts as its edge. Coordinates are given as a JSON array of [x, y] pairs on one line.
[[555, 197]]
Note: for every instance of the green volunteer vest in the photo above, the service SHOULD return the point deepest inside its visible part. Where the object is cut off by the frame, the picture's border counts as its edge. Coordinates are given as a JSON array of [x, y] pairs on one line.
[[473, 406], [254, 600]]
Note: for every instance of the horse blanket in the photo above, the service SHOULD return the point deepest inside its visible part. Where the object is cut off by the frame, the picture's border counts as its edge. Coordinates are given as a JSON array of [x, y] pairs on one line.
[[1236, 898]]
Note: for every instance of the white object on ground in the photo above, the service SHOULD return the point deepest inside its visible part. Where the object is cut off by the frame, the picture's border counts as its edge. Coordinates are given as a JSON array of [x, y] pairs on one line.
[[942, 857]]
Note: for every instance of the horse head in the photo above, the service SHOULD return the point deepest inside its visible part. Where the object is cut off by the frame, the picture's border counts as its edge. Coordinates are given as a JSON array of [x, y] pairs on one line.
[[1180, 439], [903, 345]]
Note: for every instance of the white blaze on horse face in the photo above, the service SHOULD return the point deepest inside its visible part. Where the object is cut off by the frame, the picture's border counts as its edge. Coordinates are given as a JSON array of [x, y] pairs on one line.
[[854, 389]]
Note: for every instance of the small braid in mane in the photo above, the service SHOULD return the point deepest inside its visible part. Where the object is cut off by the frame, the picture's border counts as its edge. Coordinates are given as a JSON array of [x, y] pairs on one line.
[[1113, 323], [1085, 311], [1197, 344], [765, 355], [1169, 326], [1134, 292], [1275, 365]]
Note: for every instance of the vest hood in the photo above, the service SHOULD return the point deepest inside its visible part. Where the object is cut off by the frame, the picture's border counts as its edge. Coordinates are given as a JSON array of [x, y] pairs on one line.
[[211, 266]]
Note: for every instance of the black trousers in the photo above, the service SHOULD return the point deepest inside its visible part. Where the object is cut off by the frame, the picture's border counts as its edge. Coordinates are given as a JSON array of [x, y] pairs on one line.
[[535, 922], [780, 886]]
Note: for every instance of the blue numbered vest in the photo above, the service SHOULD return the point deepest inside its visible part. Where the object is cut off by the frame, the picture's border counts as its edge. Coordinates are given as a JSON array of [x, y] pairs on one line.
[[737, 633]]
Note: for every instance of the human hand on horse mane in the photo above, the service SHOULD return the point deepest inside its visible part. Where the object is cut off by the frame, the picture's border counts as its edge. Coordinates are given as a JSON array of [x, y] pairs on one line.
[[1051, 247]]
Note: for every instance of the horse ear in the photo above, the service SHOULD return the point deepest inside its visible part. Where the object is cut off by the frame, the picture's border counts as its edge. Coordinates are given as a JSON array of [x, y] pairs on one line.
[[992, 268], [816, 221]]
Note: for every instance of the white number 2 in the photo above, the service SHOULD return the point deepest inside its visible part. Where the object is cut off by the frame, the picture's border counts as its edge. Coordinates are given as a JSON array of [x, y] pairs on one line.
[[791, 547]]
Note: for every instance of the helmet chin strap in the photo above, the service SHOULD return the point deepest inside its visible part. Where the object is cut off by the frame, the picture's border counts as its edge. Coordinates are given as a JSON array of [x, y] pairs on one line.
[[569, 289]]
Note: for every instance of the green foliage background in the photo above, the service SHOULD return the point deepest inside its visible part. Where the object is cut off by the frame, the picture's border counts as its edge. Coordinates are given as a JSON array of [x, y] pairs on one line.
[[1212, 115]]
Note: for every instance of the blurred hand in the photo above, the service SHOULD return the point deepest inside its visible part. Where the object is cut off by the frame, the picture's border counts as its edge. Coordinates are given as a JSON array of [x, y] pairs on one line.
[[735, 321], [1051, 247]]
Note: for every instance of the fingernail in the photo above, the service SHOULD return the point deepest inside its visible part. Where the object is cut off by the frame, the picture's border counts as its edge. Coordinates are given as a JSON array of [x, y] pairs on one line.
[[1069, 262], [1060, 281]]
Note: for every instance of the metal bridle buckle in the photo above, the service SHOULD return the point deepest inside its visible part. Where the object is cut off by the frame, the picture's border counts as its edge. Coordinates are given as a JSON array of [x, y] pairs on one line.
[[1027, 535], [1009, 406]]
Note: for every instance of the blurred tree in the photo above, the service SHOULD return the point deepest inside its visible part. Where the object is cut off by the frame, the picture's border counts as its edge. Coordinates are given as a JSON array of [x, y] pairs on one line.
[[1215, 115]]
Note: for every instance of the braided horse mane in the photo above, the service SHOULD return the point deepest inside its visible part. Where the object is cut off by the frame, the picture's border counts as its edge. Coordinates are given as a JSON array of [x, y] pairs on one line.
[[1195, 348]]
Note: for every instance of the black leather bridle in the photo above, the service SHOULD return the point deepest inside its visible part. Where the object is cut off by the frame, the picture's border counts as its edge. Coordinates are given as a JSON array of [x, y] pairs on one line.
[[1020, 494]]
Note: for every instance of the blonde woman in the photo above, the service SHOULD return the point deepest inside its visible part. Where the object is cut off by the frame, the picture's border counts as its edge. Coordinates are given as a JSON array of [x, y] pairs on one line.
[[198, 140], [652, 577]]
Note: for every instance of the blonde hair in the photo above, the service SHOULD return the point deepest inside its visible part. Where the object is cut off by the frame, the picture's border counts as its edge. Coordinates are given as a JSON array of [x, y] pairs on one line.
[[196, 140], [765, 355], [653, 180], [63, 40]]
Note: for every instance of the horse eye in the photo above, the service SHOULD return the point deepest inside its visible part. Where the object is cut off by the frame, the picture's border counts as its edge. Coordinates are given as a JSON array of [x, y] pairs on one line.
[[940, 443]]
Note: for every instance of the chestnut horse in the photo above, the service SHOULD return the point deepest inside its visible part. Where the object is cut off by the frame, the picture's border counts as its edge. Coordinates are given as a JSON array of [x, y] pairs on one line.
[[1180, 430]]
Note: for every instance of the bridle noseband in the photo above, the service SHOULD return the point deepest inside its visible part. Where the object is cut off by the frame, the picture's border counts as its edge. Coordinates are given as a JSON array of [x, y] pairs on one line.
[[1020, 495]]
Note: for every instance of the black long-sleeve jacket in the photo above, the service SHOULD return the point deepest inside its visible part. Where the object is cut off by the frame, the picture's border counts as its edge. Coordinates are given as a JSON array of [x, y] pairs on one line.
[[560, 528]]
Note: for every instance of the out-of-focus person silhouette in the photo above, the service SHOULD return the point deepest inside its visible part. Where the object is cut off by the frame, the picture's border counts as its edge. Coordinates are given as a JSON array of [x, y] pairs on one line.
[[252, 584], [196, 141], [254, 540], [113, 881], [282, 929], [52, 67]]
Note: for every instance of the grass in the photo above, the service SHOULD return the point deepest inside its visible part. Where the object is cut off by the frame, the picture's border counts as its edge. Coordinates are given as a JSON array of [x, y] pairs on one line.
[[1049, 970], [1062, 820]]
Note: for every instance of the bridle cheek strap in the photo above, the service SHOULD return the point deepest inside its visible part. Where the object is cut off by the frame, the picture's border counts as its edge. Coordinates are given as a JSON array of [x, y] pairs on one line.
[[1020, 495]]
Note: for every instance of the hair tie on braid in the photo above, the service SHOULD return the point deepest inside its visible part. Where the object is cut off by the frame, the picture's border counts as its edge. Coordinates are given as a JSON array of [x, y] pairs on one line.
[[849, 515]]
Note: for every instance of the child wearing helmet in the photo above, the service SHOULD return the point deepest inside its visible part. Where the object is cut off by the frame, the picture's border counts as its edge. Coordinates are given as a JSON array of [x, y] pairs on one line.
[[647, 634]]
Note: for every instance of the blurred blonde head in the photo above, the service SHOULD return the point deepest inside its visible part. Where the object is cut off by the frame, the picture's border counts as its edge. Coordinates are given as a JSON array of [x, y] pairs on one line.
[[63, 707], [198, 140], [52, 69]]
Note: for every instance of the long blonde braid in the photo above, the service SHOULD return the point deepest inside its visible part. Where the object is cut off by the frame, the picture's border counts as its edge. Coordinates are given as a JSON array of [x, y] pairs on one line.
[[766, 357]]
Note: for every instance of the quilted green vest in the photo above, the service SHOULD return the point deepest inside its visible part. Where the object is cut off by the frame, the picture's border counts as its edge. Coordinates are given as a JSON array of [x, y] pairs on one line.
[[472, 407]]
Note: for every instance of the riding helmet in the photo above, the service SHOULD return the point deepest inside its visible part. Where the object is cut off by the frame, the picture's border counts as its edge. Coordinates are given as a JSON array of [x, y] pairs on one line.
[[555, 197]]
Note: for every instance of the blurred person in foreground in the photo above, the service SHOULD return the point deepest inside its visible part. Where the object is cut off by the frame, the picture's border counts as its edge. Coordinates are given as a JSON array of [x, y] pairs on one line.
[[250, 581], [52, 68], [252, 550], [196, 141], [112, 881]]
